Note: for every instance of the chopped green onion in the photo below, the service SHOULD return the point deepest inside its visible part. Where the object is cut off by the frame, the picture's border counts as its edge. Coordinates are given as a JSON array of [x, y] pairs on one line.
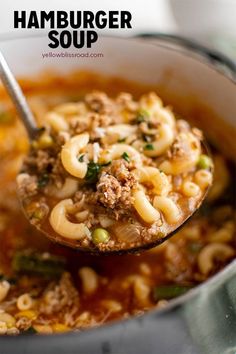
[[142, 116], [30, 330], [121, 140], [45, 265], [169, 291], [43, 180], [148, 147], [105, 164], [10, 280], [92, 172], [125, 156], [194, 247], [81, 158], [204, 162], [100, 236]]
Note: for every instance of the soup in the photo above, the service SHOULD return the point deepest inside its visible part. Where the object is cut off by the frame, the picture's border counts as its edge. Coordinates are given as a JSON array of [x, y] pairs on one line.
[[46, 288]]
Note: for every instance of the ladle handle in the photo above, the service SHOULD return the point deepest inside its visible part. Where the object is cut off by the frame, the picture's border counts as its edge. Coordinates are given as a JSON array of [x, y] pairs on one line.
[[18, 98]]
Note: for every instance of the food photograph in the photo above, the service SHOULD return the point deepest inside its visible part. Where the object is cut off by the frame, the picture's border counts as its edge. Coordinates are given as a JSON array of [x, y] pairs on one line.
[[118, 177]]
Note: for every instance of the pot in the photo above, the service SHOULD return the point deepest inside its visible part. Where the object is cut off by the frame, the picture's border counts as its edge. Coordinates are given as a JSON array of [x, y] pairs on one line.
[[200, 84]]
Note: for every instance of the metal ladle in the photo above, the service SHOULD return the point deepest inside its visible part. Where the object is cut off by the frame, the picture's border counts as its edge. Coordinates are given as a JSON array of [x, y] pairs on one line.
[[18, 98], [27, 118]]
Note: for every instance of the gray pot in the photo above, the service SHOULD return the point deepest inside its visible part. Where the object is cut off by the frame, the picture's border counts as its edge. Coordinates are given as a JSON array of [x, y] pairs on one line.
[[204, 320]]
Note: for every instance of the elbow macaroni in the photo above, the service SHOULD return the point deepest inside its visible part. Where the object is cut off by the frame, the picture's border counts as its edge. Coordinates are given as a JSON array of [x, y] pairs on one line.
[[68, 189], [57, 122], [188, 158], [70, 152], [169, 209], [122, 130], [144, 208], [61, 224], [153, 175], [154, 105], [203, 178], [163, 141], [116, 152], [24, 302], [4, 289], [89, 280], [190, 189], [208, 254]]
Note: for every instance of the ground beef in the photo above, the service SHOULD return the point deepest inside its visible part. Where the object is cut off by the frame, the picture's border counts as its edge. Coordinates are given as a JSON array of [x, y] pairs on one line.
[[59, 296], [114, 187], [126, 101], [39, 159], [150, 129], [112, 196], [177, 149], [98, 122], [78, 125], [182, 125], [23, 323], [61, 138], [85, 196], [58, 173], [40, 211], [109, 190], [99, 102], [28, 187]]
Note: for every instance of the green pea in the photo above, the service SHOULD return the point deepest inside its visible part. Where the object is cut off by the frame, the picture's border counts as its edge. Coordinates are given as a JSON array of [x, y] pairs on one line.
[[204, 162], [38, 214], [100, 236]]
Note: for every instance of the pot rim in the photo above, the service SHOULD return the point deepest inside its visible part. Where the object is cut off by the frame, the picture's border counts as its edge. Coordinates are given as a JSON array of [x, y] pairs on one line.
[[214, 59], [200, 54]]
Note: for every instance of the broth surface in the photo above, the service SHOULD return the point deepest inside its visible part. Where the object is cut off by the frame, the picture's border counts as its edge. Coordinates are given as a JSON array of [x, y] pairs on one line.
[[47, 288]]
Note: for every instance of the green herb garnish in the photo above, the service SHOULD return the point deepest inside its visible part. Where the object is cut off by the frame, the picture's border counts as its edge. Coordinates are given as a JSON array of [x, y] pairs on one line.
[[30, 330], [105, 164], [168, 292], [48, 266], [92, 172], [43, 180], [81, 158], [194, 247], [10, 280], [125, 156], [148, 147], [121, 140], [142, 116]]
